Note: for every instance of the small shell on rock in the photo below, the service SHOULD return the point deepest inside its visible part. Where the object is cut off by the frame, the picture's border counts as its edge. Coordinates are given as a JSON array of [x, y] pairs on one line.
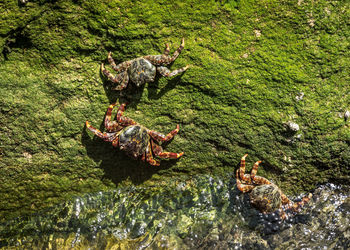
[[292, 126]]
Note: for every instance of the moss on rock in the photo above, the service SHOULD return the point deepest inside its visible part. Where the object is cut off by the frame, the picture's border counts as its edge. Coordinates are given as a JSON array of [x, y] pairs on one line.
[[256, 65]]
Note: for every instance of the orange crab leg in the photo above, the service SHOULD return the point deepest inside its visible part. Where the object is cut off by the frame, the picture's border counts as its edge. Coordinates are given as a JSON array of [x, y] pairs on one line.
[[125, 121], [160, 137], [111, 137], [255, 178], [170, 155], [285, 199], [242, 175], [158, 151], [297, 205], [115, 142], [283, 214], [243, 187], [254, 170], [149, 156], [156, 148], [261, 180], [111, 125]]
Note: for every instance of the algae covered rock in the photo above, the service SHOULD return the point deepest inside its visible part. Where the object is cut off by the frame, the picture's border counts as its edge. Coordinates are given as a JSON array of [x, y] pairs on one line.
[[250, 60]]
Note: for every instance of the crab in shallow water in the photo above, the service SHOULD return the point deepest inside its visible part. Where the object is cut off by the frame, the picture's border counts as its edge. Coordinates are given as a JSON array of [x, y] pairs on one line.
[[142, 69], [264, 195], [136, 140]]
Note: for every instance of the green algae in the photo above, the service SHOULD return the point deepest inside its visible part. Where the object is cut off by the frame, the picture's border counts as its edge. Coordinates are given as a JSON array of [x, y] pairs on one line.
[[249, 61]]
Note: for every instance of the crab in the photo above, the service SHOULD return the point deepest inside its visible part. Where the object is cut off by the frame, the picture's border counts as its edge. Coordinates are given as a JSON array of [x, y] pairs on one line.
[[264, 195], [136, 140], [143, 69]]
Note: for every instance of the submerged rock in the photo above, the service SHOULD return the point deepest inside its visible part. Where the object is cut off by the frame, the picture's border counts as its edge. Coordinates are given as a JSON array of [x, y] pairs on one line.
[[206, 213]]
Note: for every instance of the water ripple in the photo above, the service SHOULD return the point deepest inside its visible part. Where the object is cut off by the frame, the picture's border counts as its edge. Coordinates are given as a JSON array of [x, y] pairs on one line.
[[205, 212]]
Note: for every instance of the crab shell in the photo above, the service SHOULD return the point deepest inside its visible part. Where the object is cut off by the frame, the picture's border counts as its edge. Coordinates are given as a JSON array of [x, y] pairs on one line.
[[133, 140], [142, 71], [266, 198]]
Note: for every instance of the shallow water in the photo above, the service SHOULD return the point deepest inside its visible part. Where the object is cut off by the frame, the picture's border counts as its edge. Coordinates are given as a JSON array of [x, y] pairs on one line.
[[204, 213]]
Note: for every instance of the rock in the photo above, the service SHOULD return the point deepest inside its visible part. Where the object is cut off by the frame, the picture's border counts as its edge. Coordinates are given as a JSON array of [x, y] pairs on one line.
[[242, 85]]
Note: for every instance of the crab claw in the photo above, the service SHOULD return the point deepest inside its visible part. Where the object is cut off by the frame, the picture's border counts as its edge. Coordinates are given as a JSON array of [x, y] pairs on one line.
[[187, 66], [183, 42]]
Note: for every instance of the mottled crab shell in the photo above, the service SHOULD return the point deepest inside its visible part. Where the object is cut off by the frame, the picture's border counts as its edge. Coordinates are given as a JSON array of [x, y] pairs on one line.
[[134, 140], [266, 198], [141, 71]]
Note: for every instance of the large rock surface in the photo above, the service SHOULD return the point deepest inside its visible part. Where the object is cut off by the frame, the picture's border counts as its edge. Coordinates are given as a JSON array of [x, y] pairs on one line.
[[258, 68]]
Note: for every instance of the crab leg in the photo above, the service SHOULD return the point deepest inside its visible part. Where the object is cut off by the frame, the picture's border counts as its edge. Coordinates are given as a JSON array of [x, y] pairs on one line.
[[283, 214], [243, 187], [167, 49], [165, 58], [164, 71], [260, 180], [125, 121], [111, 137], [122, 79], [156, 148], [160, 137], [121, 66], [115, 142], [285, 199], [176, 53], [170, 155], [158, 151], [254, 170], [244, 177], [111, 126], [297, 205], [149, 157]]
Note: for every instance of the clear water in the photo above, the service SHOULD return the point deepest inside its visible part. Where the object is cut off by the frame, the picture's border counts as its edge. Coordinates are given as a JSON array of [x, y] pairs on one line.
[[204, 213]]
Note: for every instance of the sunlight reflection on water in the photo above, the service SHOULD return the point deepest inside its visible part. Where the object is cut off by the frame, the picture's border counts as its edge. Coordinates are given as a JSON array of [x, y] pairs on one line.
[[204, 213]]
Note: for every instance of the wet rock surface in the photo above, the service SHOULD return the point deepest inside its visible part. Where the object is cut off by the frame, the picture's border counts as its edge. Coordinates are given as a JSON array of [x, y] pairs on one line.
[[255, 65], [202, 213]]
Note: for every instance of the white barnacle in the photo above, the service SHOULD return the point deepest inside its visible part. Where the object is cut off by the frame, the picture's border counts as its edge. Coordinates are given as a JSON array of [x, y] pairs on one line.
[[292, 126]]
